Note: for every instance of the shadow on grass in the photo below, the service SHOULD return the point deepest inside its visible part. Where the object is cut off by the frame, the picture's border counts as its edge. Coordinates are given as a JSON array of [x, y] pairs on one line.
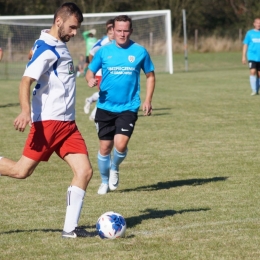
[[16, 231], [172, 184], [154, 214], [155, 114], [10, 105], [130, 221]]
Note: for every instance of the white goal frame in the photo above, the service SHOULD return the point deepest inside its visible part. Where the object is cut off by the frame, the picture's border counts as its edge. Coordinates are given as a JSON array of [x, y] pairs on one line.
[[167, 47]]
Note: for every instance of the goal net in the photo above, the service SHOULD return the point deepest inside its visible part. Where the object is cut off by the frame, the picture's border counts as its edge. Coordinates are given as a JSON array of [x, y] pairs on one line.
[[152, 29]]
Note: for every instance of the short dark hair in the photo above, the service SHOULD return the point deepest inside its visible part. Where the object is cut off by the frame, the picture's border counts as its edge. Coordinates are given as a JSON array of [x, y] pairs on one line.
[[109, 28], [66, 10], [109, 22], [123, 18]]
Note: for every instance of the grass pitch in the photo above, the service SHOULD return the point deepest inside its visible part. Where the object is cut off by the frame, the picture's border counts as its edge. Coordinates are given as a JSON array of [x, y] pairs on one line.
[[189, 188]]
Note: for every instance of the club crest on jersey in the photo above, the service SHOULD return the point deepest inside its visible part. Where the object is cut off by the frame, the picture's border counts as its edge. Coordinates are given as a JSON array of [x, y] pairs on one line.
[[131, 58], [71, 68]]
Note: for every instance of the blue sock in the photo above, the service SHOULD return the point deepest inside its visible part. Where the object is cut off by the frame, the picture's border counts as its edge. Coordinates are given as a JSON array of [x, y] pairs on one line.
[[117, 159], [253, 83], [104, 167]]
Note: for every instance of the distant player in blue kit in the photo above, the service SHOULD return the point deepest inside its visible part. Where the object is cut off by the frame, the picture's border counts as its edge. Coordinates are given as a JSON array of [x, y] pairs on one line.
[[121, 62], [251, 50]]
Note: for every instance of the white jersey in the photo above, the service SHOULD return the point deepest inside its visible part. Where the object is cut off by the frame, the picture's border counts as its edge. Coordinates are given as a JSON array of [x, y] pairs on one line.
[[53, 97], [96, 47]]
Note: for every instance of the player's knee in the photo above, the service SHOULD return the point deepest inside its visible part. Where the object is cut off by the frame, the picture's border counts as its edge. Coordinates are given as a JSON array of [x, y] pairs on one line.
[[105, 150], [89, 173], [121, 148], [20, 174], [86, 174]]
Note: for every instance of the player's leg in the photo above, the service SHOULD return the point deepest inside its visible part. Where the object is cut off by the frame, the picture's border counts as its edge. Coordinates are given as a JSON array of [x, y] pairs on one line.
[[253, 77], [74, 151], [81, 168], [93, 114], [95, 97], [89, 100], [119, 151], [124, 129], [35, 150], [106, 130], [18, 170], [82, 171], [104, 163], [87, 105], [119, 154]]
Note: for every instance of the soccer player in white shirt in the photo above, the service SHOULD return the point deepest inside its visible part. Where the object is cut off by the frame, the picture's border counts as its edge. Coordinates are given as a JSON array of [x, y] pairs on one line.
[[51, 116]]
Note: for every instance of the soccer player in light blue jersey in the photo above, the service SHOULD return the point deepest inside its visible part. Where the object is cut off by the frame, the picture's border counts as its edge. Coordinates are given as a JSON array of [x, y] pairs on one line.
[[121, 62], [251, 53]]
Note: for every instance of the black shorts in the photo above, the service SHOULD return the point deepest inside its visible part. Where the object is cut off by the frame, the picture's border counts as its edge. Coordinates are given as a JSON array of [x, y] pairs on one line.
[[108, 124], [254, 65]]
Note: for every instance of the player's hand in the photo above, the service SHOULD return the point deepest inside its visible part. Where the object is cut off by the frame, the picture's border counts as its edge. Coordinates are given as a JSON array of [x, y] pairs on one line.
[[243, 61], [22, 121], [92, 82], [147, 108]]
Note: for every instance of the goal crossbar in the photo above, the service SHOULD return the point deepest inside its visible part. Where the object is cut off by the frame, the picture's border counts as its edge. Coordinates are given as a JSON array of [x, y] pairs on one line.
[[152, 29]]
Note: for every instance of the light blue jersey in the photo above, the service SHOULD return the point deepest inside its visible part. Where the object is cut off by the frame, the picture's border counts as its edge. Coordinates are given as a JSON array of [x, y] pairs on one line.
[[252, 40], [120, 85]]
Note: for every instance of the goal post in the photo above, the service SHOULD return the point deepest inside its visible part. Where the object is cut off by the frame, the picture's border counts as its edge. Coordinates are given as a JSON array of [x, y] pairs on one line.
[[152, 29]]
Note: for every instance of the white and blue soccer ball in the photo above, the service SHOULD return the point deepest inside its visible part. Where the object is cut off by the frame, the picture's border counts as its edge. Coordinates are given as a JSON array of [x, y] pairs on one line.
[[111, 225]]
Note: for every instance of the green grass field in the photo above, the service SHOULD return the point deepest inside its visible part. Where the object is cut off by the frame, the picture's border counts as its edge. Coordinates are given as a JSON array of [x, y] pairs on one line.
[[189, 188]]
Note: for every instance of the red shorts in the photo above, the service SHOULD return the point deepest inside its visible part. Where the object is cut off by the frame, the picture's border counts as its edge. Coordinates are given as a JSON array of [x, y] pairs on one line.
[[46, 137], [98, 78]]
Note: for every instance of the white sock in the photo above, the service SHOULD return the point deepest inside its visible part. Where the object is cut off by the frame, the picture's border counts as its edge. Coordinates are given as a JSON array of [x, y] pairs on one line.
[[95, 96], [93, 113], [75, 197]]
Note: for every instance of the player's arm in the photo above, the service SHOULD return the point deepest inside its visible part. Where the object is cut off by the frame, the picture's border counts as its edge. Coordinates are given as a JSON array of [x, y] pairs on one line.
[[1, 54], [244, 51], [30, 54], [90, 78], [24, 117], [150, 85], [90, 57]]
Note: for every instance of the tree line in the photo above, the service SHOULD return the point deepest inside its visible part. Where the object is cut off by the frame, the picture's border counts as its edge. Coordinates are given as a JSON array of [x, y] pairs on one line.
[[209, 17]]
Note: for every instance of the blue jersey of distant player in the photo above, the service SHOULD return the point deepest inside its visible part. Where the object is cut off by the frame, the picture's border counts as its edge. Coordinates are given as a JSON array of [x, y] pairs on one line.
[[121, 67], [252, 40]]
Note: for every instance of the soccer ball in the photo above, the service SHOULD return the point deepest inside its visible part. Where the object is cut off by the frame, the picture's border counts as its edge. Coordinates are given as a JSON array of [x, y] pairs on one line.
[[111, 225]]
